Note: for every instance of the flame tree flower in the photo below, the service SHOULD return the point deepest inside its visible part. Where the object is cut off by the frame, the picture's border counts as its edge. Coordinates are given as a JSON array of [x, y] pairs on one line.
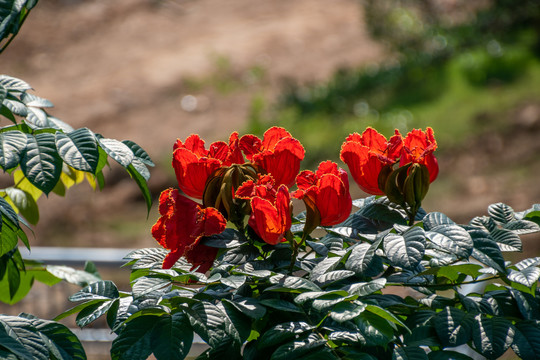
[[278, 154], [367, 154], [326, 195], [418, 147], [270, 208], [181, 226], [193, 164]]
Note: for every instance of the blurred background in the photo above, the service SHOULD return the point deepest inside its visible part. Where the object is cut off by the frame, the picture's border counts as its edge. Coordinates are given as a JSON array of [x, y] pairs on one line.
[[153, 71]]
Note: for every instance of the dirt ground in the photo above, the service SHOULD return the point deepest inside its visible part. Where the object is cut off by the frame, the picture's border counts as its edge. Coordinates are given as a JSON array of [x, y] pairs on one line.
[[123, 69]]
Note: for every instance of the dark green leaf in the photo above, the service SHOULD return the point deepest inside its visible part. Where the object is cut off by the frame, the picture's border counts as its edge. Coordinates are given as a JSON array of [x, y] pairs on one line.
[[346, 311], [61, 342], [447, 355], [139, 152], [282, 305], [21, 329], [91, 313], [40, 163], [501, 213], [486, 251], [452, 238], [240, 255], [134, 341], [37, 119], [526, 342], [78, 149], [120, 152], [15, 107], [409, 353], [434, 219], [208, 321], [527, 304], [506, 239], [150, 286], [99, 290], [172, 337], [228, 239], [249, 307], [324, 266], [405, 251], [143, 186], [366, 288], [492, 336], [12, 146], [522, 227], [333, 277], [453, 326], [382, 210], [291, 282], [293, 350], [234, 281], [363, 260]]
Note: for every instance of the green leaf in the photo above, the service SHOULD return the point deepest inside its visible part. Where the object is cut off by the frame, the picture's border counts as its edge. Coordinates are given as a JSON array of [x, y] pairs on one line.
[[41, 163], [506, 239], [143, 186], [15, 107], [526, 342], [208, 321], [37, 119], [522, 227], [486, 251], [525, 263], [366, 288], [363, 260], [381, 210], [452, 238], [248, 306], [501, 213], [527, 304], [72, 276], [8, 238], [405, 251], [228, 239], [434, 219], [139, 152], [409, 353], [25, 203], [11, 83], [172, 337], [99, 290], [387, 315], [35, 101], [10, 342], [346, 311], [333, 277], [77, 309], [21, 330], [492, 336], [78, 149], [287, 283], [91, 313], [453, 326], [145, 286], [234, 281], [293, 350], [120, 152], [282, 305], [134, 341], [322, 267], [61, 342], [528, 276], [12, 146]]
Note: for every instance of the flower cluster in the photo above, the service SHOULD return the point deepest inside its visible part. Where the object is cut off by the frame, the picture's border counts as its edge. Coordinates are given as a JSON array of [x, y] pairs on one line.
[[250, 179]]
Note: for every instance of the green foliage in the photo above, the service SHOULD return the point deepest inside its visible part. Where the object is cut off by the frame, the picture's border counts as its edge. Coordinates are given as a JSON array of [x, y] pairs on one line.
[[333, 303]]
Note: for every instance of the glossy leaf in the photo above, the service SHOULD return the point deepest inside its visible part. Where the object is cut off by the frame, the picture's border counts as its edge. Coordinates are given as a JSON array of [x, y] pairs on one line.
[[293, 350], [405, 251], [120, 152], [78, 149], [143, 186], [409, 353], [139, 152], [27, 335], [453, 326], [486, 251], [40, 163], [12, 146], [526, 343], [434, 219], [452, 238], [99, 290], [507, 240], [363, 260], [492, 336], [283, 332], [25, 203], [134, 341], [527, 277], [172, 337], [501, 213]]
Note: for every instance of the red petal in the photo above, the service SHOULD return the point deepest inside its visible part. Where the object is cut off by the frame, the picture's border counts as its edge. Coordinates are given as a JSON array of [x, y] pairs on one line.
[[374, 140], [250, 145], [272, 136], [196, 145], [219, 150], [333, 200], [363, 166], [192, 172], [235, 154]]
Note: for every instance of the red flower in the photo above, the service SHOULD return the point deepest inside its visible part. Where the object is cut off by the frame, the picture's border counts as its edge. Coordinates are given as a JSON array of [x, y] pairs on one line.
[[270, 208], [326, 191], [193, 164], [278, 154], [367, 154], [181, 226], [418, 147]]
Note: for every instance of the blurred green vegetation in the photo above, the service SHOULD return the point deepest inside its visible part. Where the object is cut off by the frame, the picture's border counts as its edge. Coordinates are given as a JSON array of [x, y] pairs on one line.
[[458, 71]]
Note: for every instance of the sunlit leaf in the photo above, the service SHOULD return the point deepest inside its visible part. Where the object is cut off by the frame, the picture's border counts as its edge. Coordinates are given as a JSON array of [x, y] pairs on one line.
[[12, 146], [41, 163], [406, 250], [492, 336], [451, 238], [78, 149]]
